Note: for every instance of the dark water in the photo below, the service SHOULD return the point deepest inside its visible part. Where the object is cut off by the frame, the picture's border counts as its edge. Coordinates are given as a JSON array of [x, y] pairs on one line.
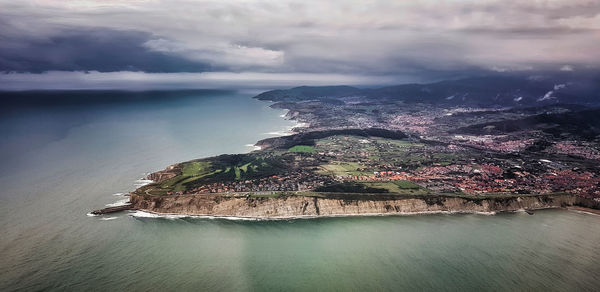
[[60, 162]]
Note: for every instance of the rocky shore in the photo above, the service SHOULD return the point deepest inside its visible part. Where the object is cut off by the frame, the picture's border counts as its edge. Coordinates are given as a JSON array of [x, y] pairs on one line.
[[298, 206]]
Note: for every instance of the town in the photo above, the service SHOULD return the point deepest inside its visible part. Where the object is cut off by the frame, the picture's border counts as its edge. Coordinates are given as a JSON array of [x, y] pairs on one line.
[[414, 148]]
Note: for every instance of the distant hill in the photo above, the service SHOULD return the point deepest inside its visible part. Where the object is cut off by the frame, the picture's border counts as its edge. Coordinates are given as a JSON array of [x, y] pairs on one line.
[[310, 92], [484, 91], [582, 124]]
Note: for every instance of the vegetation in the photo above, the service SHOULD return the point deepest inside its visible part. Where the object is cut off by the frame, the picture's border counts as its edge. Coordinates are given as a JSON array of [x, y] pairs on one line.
[[358, 156], [398, 187], [351, 187], [196, 168], [302, 149], [342, 168], [407, 185]]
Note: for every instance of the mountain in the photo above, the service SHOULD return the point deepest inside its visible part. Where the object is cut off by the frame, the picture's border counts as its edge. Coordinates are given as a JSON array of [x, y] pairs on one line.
[[582, 124], [310, 92], [477, 91]]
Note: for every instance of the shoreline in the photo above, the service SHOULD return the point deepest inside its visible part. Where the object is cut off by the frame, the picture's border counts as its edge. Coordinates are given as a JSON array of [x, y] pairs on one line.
[[307, 207], [160, 215], [163, 215], [584, 210], [283, 218]]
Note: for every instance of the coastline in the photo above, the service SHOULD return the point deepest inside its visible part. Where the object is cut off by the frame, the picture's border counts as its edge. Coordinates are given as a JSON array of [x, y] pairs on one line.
[[306, 207], [153, 214], [585, 210], [142, 213], [281, 208]]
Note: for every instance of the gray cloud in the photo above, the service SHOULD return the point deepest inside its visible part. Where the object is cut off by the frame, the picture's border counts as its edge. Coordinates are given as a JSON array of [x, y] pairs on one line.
[[91, 49], [424, 39]]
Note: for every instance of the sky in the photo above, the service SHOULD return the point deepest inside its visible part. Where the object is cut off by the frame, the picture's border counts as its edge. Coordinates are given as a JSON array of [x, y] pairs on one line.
[[211, 44]]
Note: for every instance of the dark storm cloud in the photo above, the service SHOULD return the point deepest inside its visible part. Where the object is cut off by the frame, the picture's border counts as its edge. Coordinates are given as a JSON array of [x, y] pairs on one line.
[[101, 50], [424, 39]]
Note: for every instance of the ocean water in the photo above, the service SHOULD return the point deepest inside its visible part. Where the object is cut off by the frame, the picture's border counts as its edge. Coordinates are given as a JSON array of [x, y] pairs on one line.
[[62, 160]]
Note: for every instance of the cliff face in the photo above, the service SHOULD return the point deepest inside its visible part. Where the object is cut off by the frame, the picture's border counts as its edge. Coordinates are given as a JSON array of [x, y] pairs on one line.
[[170, 172], [300, 206]]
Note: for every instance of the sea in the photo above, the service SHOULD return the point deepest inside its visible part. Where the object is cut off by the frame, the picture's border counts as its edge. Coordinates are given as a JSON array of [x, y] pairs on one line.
[[64, 154]]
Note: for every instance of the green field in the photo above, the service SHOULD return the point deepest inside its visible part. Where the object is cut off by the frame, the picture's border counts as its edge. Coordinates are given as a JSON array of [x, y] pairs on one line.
[[375, 187], [400, 187], [343, 168], [196, 168], [302, 149], [225, 168]]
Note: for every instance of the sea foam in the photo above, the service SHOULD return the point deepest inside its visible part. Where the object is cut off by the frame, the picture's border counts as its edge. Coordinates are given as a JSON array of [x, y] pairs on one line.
[[144, 214], [254, 147], [118, 203], [142, 182]]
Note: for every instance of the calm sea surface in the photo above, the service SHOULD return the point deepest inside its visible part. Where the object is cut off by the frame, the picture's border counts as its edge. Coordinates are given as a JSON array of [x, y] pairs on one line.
[[58, 162]]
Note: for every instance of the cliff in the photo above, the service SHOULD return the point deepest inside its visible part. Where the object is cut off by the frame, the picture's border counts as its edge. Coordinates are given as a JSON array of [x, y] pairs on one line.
[[307, 206], [168, 173]]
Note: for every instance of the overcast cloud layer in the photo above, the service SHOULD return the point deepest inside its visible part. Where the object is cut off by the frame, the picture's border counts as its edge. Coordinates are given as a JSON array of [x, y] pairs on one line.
[[344, 41]]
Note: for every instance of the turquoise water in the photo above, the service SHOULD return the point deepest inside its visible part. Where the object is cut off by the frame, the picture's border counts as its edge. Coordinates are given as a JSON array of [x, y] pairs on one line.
[[60, 162]]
